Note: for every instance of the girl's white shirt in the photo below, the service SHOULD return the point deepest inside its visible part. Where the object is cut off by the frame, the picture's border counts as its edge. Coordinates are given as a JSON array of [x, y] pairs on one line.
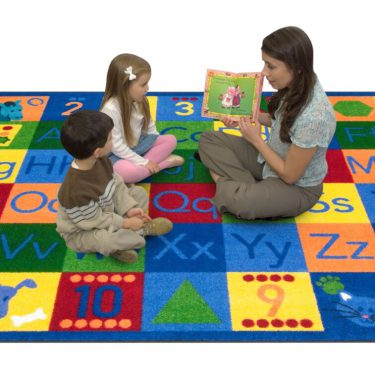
[[119, 146]]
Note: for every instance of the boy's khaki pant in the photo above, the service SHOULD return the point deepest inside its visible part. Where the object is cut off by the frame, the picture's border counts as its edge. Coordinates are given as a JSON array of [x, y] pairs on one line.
[[241, 189], [107, 241]]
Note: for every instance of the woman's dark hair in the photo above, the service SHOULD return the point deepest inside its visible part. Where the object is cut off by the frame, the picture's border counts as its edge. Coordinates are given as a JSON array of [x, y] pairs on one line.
[[292, 46], [84, 131]]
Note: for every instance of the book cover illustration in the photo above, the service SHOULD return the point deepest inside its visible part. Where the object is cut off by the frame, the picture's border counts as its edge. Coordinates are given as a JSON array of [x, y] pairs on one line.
[[232, 95]]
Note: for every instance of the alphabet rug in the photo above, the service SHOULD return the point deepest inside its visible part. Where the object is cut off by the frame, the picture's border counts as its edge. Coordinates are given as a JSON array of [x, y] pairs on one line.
[[213, 278]]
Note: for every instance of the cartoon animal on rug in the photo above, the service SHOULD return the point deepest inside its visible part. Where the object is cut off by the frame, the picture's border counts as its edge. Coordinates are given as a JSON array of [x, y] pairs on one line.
[[8, 292], [360, 310], [11, 111]]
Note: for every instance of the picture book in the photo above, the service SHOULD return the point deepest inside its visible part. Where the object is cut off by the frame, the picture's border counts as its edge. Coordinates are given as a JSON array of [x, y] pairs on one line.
[[232, 95]]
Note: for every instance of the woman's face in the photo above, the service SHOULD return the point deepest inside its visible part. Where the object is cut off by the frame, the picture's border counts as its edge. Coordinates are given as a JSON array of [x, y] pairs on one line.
[[277, 72], [139, 87]]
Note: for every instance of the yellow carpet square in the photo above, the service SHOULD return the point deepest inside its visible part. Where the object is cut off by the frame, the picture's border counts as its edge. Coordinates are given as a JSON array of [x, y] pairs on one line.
[[219, 126], [31, 307], [10, 164], [153, 101], [273, 302], [339, 203]]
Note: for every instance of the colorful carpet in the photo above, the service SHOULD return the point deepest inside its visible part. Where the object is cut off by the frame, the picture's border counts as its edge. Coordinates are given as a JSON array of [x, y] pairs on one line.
[[212, 278]]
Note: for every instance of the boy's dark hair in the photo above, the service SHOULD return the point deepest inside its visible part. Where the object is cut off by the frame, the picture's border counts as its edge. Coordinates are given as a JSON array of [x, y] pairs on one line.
[[84, 131]]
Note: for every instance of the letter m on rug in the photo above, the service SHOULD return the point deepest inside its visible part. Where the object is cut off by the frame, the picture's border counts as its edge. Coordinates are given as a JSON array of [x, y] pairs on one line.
[[367, 169]]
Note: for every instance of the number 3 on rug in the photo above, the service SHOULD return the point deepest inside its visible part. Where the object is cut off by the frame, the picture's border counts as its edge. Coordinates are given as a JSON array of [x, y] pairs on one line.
[[185, 106]]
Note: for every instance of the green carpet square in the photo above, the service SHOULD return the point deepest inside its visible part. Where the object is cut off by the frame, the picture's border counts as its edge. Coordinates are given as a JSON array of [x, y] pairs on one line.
[[23, 137], [31, 247], [187, 133], [356, 135], [92, 262], [192, 171], [47, 136]]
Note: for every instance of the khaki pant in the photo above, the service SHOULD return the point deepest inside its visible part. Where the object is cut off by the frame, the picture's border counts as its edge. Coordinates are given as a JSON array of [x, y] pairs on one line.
[[241, 189], [107, 241]]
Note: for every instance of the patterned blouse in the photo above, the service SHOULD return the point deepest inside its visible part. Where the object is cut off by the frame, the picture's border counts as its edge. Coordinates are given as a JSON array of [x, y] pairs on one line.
[[314, 126]]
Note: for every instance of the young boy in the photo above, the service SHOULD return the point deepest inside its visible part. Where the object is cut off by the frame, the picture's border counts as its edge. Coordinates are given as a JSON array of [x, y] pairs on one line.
[[97, 211]]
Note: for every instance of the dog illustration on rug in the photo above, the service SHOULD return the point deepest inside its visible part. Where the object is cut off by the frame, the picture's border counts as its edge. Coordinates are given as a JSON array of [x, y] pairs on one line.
[[8, 292]]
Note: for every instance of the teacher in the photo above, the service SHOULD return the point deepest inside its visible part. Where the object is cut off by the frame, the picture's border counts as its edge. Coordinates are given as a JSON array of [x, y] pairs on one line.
[[281, 177]]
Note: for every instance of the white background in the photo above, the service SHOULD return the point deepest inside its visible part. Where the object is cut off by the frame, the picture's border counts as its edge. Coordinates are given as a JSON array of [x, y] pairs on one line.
[[67, 46]]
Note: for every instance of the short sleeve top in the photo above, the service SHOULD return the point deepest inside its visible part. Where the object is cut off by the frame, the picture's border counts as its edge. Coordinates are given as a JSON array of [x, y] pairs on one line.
[[313, 127]]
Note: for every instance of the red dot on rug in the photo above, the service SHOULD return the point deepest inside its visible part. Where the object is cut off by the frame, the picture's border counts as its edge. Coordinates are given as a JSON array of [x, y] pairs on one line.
[[262, 278], [275, 278], [7, 127], [306, 323], [277, 323], [288, 278], [185, 99], [248, 323], [194, 99], [248, 278], [292, 323], [262, 323], [174, 98]]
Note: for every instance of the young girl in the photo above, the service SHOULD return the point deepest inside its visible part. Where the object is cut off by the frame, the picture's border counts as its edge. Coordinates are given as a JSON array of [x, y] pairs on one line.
[[138, 150], [282, 177]]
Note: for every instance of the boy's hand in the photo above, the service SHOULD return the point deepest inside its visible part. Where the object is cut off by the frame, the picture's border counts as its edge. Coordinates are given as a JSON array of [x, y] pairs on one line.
[[153, 167], [133, 223], [138, 212]]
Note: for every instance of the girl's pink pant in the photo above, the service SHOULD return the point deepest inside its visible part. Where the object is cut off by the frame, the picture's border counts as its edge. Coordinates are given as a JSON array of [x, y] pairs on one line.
[[161, 149]]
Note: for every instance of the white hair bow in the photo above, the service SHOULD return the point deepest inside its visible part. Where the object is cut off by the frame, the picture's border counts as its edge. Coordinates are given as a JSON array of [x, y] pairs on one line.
[[129, 70]]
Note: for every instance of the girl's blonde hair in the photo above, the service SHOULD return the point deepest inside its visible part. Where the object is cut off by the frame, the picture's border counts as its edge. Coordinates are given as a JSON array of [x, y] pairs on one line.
[[117, 86]]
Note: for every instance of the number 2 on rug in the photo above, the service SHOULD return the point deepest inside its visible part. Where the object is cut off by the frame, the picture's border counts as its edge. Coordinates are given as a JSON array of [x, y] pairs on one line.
[[77, 106]]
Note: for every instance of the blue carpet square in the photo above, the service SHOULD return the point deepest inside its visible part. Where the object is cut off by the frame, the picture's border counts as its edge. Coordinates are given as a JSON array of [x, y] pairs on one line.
[[61, 105], [334, 145], [350, 314], [367, 194], [263, 247], [180, 108], [161, 287], [44, 165], [188, 248]]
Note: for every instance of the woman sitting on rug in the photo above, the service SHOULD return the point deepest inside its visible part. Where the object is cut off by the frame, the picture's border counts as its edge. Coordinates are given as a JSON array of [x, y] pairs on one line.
[[282, 177]]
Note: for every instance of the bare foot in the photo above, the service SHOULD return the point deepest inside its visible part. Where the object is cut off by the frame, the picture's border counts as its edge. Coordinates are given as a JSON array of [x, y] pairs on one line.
[[214, 176]]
